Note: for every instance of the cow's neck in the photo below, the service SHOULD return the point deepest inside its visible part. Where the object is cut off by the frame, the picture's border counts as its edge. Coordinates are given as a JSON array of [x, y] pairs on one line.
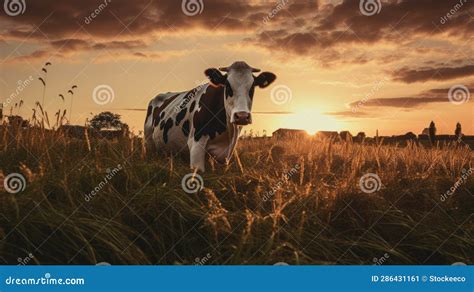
[[223, 135], [213, 98]]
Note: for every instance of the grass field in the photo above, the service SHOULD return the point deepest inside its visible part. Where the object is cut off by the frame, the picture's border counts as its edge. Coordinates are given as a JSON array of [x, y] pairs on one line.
[[294, 202]]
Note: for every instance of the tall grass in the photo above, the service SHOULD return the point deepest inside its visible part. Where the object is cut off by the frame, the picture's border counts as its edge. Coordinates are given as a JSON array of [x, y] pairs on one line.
[[316, 214]]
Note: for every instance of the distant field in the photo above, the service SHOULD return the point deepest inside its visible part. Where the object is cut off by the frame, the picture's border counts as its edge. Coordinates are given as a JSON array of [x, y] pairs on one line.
[[296, 202]]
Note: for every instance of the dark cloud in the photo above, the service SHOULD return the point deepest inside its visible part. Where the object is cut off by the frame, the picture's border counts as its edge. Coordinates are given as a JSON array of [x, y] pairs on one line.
[[324, 32], [435, 73], [349, 114], [436, 95], [36, 55], [123, 24], [66, 47], [362, 109], [399, 21], [124, 18], [400, 102]]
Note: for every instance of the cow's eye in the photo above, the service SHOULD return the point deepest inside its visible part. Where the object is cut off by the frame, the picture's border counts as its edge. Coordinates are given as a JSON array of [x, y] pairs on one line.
[[228, 89]]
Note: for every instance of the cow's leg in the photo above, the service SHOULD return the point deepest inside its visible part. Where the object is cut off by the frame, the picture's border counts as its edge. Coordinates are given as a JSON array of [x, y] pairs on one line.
[[197, 151]]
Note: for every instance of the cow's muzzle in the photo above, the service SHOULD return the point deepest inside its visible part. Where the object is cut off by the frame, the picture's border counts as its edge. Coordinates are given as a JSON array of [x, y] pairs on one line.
[[242, 118]]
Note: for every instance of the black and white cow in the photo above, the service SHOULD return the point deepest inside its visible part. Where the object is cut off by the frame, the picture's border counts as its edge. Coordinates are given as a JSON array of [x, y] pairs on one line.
[[207, 119]]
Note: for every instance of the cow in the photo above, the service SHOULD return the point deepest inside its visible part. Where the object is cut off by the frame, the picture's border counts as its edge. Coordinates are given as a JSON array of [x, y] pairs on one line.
[[208, 119]]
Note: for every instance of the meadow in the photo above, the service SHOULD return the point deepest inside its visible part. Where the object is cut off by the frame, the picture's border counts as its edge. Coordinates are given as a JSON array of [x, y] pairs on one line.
[[296, 202]]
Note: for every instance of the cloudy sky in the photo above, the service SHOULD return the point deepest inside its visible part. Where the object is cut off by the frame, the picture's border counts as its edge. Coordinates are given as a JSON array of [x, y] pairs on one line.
[[391, 65]]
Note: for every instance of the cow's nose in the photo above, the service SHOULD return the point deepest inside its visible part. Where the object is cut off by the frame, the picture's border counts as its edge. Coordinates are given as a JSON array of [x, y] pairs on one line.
[[242, 118]]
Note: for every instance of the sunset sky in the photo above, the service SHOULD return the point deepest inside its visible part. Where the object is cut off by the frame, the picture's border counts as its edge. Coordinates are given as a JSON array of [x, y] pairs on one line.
[[338, 66]]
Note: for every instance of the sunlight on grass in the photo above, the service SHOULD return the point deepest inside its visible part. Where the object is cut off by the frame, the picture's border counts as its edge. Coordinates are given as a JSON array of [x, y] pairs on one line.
[[295, 201]]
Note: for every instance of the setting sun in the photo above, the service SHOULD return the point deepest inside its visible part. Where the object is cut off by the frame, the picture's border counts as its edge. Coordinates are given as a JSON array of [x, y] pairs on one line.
[[312, 121]]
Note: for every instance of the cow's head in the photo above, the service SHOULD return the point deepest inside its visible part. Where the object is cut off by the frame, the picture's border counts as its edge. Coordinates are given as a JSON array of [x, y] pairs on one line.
[[239, 83]]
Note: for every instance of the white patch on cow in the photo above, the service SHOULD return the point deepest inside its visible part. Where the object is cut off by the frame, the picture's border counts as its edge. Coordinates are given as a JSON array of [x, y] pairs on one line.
[[197, 153], [223, 145], [241, 81]]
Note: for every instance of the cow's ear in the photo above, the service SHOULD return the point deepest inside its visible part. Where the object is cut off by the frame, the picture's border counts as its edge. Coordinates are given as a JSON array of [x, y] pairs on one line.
[[264, 79], [215, 76]]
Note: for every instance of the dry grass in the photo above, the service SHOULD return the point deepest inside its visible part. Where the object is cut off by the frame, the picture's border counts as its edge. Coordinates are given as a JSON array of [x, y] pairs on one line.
[[318, 215]]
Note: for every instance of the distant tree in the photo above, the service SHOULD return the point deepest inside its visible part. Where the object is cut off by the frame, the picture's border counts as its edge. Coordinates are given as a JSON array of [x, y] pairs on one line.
[[361, 135], [458, 131], [345, 136], [18, 121], [107, 121], [432, 131], [410, 136]]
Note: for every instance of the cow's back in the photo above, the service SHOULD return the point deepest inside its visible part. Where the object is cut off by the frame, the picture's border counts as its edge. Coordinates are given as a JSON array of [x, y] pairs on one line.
[[164, 115], [155, 103]]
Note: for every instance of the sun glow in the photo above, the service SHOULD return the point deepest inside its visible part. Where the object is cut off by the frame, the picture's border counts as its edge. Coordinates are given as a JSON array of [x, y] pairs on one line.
[[312, 121]]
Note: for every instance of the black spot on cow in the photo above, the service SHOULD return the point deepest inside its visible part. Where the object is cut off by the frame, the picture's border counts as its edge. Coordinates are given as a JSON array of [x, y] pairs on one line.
[[185, 128], [162, 125], [148, 111], [193, 104], [252, 91], [180, 116], [210, 120], [167, 127], [228, 90], [191, 95], [156, 118], [159, 112]]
